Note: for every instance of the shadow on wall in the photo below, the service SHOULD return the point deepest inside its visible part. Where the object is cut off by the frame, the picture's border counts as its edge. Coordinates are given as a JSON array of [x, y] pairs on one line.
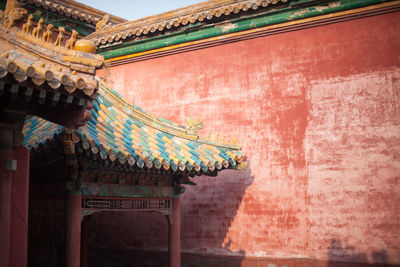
[[208, 211], [349, 256], [140, 239]]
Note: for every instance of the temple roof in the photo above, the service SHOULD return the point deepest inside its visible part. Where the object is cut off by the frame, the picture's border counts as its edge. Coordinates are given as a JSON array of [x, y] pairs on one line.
[[25, 56], [202, 12], [126, 134], [44, 70], [75, 10], [31, 50]]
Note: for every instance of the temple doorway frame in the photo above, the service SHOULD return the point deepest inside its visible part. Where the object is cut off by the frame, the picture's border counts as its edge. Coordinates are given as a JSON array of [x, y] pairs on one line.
[[79, 206]]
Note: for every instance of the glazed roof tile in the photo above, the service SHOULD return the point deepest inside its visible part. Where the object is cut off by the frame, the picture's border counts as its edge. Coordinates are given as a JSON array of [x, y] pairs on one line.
[[118, 130], [205, 11], [26, 55], [75, 10], [24, 65]]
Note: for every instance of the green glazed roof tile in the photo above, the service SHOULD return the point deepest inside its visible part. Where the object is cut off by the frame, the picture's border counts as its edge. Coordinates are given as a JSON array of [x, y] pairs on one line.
[[128, 131]]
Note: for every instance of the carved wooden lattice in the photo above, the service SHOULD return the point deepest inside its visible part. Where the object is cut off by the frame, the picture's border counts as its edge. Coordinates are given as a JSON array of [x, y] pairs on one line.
[[114, 204]]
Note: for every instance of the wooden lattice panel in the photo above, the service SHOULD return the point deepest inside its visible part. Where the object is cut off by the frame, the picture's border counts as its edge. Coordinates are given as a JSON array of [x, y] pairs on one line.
[[124, 204]]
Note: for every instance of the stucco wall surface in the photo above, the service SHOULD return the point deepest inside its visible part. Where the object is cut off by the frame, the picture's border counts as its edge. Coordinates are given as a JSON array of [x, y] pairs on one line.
[[318, 114]]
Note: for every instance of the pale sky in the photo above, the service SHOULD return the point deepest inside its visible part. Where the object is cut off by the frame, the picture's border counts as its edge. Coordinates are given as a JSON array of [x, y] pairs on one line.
[[136, 9]]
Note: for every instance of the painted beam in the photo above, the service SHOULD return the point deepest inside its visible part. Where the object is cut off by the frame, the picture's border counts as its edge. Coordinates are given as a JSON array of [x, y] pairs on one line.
[[287, 15], [118, 190]]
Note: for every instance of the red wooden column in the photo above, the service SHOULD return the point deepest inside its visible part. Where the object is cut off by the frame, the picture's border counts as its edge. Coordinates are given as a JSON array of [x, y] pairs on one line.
[[174, 234], [6, 174], [84, 242], [19, 209], [74, 217], [5, 207]]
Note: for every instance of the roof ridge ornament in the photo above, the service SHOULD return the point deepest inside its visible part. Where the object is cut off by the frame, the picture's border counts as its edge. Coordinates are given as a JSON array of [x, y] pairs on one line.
[[103, 23], [12, 13], [32, 49], [38, 32], [27, 26], [194, 126], [72, 9], [72, 40]]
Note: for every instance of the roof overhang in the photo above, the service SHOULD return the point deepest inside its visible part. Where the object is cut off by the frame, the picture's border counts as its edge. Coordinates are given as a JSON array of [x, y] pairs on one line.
[[40, 71]]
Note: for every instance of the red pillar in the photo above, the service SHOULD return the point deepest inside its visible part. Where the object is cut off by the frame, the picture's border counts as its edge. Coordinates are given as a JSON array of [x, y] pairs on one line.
[[74, 216], [85, 242], [19, 209], [5, 207], [174, 234]]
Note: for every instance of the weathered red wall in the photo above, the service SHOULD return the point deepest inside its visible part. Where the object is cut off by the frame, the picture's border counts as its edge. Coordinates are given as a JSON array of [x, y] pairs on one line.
[[318, 113]]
